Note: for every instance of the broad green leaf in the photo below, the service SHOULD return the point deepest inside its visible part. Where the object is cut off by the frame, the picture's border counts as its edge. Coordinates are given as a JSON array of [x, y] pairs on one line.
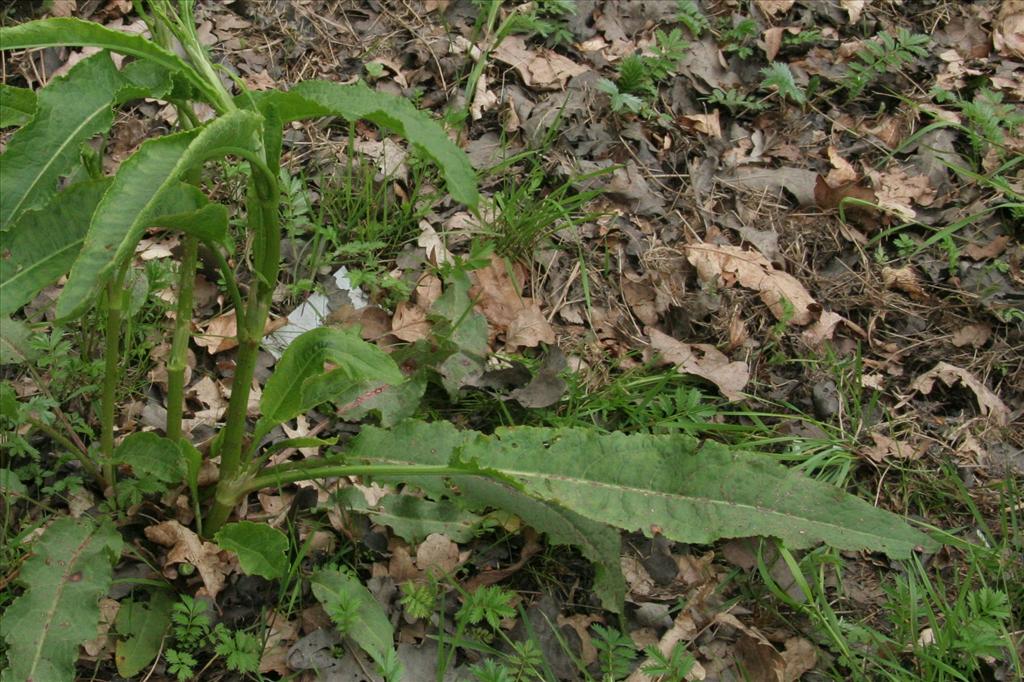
[[15, 346], [69, 111], [10, 484], [261, 550], [391, 403], [669, 484], [152, 458], [9, 405], [68, 571], [16, 105], [299, 382], [311, 99], [368, 625], [597, 541], [68, 31], [142, 625], [134, 198], [186, 208], [414, 518]]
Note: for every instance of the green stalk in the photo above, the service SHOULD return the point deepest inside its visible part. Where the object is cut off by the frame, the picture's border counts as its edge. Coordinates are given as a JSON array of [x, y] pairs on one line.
[[111, 374], [262, 206], [178, 359]]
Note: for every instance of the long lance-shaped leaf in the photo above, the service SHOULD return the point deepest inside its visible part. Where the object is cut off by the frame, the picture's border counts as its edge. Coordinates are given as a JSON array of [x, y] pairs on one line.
[[311, 99], [75, 32], [44, 243], [134, 198], [70, 569], [68, 112], [666, 484], [16, 105]]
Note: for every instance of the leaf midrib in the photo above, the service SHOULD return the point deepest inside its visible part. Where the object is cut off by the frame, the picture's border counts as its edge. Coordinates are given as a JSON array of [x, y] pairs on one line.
[[74, 136], [15, 278], [57, 596]]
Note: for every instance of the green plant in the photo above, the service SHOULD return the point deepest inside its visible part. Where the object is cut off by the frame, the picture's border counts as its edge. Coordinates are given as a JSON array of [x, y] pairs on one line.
[[545, 18], [536, 473], [692, 18], [638, 77], [778, 76], [669, 668], [615, 652], [885, 53], [736, 101], [489, 603], [738, 39]]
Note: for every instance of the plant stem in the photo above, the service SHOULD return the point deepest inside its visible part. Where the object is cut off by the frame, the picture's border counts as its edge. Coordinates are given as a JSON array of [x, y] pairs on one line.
[[111, 374], [82, 456], [178, 359]]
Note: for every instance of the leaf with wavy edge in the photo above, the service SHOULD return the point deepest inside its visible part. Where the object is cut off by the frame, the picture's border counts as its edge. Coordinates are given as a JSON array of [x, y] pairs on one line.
[[135, 197], [17, 105], [69, 111], [69, 570], [667, 484], [75, 32], [313, 98], [44, 243]]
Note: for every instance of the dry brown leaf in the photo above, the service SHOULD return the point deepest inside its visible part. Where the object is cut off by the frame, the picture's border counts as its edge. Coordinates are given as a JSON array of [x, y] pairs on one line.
[[702, 360], [842, 171], [974, 335], [904, 279], [63, 8], [282, 634], [429, 239], [219, 333], [885, 448], [822, 329], [707, 124], [853, 8], [542, 69], [1008, 31], [830, 198], [410, 322], [799, 182], [989, 402], [186, 547], [732, 264], [684, 629], [991, 250], [438, 553], [772, 8], [800, 656], [98, 646], [529, 328]]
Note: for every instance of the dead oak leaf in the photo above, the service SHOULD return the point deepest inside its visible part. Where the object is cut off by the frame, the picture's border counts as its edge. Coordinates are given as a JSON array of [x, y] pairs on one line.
[[219, 333], [543, 69], [529, 328], [702, 360], [732, 264], [884, 447], [186, 547], [989, 402], [410, 322]]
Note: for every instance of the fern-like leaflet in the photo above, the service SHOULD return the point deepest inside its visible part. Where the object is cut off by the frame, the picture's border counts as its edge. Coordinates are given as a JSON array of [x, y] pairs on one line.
[[885, 54]]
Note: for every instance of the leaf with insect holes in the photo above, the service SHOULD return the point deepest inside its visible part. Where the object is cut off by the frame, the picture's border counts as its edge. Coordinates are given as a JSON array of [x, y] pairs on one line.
[[68, 32], [356, 613], [135, 196], [43, 243], [299, 382], [312, 99], [142, 626], [70, 568], [669, 484], [261, 550], [17, 105]]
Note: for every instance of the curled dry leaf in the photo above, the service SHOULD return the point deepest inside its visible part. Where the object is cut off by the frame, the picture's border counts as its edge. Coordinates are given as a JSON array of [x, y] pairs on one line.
[[904, 279], [410, 322], [187, 548], [822, 329], [731, 264], [948, 374], [974, 335], [702, 360], [219, 333], [499, 298], [706, 124]]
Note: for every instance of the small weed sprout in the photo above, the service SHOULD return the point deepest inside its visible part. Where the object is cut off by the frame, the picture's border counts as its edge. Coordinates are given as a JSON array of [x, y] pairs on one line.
[[886, 53]]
